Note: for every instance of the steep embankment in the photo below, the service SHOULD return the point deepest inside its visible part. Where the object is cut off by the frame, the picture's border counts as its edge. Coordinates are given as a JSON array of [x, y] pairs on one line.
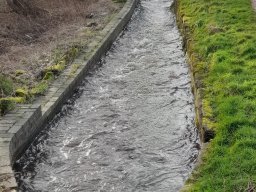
[[220, 38], [39, 39]]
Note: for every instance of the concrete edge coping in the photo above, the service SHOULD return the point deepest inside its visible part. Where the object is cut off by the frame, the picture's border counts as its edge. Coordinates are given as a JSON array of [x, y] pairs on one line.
[[20, 127], [254, 4]]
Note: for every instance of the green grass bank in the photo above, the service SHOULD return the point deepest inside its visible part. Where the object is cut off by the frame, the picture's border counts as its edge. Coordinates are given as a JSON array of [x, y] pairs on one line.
[[220, 38]]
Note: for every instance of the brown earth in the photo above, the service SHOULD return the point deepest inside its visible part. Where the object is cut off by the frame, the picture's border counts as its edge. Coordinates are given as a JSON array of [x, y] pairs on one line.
[[30, 42], [254, 4]]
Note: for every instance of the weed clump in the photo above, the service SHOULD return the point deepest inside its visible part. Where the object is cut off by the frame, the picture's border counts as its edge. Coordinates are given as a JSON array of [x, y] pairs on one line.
[[23, 93], [5, 105], [19, 72], [6, 86], [40, 88], [48, 76], [6, 89], [8, 103], [119, 1], [60, 63]]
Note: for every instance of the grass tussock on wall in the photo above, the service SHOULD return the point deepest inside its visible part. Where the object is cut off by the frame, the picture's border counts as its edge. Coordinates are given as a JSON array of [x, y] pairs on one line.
[[221, 38]]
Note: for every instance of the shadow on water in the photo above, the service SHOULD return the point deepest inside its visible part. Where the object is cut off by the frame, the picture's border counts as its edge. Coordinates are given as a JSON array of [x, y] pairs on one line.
[[130, 125]]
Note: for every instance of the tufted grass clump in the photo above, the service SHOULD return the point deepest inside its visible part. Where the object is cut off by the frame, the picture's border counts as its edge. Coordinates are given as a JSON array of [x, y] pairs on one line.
[[8, 103], [40, 88], [222, 46], [6, 86], [6, 89], [18, 90], [61, 61], [119, 1], [74, 68], [23, 93], [19, 72]]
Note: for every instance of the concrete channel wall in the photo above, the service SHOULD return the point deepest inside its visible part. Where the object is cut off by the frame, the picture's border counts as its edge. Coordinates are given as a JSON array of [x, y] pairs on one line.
[[20, 127], [205, 134]]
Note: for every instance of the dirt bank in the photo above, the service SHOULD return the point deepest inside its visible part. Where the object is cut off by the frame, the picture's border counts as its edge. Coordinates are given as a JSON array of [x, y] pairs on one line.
[[30, 43]]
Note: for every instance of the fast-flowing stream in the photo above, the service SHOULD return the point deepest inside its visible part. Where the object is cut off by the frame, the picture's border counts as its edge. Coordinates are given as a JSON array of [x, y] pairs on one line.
[[130, 126]]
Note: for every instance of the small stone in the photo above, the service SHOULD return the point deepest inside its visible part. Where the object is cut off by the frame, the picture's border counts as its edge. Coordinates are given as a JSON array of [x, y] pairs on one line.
[[92, 24], [89, 16]]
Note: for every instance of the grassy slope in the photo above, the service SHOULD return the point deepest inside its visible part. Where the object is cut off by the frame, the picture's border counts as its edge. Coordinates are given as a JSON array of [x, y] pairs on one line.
[[223, 46]]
